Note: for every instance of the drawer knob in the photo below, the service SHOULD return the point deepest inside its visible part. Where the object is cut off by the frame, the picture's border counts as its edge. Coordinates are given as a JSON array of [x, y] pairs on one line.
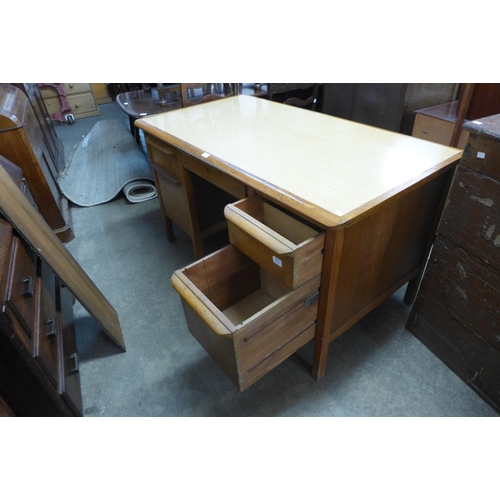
[[53, 327], [71, 85], [30, 287]]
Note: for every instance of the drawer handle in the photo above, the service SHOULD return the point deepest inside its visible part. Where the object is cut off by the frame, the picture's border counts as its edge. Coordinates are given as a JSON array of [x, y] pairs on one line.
[[311, 300], [53, 330], [30, 287], [75, 369]]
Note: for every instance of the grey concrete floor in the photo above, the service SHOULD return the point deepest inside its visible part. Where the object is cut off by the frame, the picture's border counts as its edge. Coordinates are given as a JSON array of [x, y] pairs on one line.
[[377, 368]]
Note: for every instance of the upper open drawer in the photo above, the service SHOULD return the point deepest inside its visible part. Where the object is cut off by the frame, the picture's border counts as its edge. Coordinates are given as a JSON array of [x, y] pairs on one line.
[[287, 248]]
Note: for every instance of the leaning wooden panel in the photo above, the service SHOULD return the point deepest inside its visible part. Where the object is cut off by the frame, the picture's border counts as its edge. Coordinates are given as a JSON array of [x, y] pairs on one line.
[[17, 209]]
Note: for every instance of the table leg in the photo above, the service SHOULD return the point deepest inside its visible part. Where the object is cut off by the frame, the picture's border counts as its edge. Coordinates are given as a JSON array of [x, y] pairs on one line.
[[334, 241]]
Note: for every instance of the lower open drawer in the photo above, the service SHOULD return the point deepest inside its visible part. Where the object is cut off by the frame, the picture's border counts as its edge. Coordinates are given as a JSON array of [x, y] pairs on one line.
[[243, 317]]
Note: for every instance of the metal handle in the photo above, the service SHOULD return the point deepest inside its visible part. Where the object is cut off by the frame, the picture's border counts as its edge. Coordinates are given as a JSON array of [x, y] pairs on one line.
[[310, 300], [53, 330], [30, 289], [74, 357]]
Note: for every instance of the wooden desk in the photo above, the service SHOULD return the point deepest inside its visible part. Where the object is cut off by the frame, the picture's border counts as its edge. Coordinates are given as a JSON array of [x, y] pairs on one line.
[[377, 195]]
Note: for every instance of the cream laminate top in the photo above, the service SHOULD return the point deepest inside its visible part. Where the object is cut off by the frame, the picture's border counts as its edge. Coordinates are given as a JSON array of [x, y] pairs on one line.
[[333, 168]]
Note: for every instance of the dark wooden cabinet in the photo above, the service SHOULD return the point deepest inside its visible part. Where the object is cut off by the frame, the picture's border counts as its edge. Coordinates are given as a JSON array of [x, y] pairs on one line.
[[28, 139], [457, 311], [38, 358]]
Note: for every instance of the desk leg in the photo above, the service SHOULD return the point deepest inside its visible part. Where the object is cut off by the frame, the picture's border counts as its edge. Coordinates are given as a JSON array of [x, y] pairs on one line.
[[334, 241], [194, 231]]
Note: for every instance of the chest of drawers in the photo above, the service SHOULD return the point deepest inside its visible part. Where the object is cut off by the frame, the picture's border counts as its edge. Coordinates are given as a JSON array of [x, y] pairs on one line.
[[79, 95], [457, 311], [38, 358]]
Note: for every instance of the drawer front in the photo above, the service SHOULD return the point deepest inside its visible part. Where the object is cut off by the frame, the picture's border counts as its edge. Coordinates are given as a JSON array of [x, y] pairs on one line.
[[220, 179], [261, 347], [164, 157], [472, 215], [46, 350], [482, 155], [22, 294], [77, 88], [82, 103], [70, 387], [173, 199], [285, 247]]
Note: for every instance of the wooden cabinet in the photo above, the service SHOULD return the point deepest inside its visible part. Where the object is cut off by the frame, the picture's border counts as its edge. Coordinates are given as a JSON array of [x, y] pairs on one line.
[[456, 313], [80, 98], [29, 141], [38, 359]]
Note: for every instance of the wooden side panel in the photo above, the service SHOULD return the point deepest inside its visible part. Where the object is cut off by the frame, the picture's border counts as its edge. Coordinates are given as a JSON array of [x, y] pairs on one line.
[[482, 155], [467, 286], [472, 216], [383, 248], [220, 348]]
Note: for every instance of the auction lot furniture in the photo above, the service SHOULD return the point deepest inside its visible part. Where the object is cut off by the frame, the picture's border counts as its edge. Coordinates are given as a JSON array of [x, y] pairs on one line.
[[456, 314], [335, 206], [28, 141], [38, 280]]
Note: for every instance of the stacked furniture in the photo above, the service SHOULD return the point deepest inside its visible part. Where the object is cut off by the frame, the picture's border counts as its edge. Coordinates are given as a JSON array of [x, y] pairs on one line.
[[28, 139], [457, 311], [38, 358]]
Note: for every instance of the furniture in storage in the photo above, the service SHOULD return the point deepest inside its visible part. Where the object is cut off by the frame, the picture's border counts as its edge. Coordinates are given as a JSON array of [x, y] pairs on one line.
[[80, 98], [28, 139], [456, 313], [437, 124], [374, 196], [38, 358]]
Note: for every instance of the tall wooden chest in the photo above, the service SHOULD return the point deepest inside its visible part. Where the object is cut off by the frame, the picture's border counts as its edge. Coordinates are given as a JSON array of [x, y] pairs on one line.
[[457, 311]]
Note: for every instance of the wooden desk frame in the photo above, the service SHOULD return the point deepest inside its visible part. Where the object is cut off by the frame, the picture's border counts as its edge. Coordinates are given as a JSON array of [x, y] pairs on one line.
[[369, 252]]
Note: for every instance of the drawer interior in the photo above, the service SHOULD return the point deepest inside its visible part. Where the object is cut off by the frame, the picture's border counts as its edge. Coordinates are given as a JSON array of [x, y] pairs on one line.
[[276, 220], [235, 284]]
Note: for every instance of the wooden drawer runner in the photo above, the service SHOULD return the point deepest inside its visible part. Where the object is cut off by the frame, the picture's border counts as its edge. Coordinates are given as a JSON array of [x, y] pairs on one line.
[[287, 248], [244, 318], [21, 297], [220, 179]]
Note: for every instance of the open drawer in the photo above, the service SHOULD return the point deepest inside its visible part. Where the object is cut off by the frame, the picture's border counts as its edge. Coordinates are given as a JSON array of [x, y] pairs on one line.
[[287, 248], [244, 318]]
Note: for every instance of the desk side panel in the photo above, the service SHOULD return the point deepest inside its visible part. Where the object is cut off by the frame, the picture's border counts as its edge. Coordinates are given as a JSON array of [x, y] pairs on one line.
[[382, 250]]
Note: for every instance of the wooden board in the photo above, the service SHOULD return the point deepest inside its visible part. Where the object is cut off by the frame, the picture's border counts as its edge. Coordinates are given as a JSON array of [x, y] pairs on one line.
[[32, 227]]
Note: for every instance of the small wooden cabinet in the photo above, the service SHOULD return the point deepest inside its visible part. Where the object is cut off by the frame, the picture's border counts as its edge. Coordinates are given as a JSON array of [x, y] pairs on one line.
[[38, 358], [457, 311], [80, 98]]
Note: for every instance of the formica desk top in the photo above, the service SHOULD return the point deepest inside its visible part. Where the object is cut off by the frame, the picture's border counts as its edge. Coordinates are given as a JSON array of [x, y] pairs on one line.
[[328, 169]]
